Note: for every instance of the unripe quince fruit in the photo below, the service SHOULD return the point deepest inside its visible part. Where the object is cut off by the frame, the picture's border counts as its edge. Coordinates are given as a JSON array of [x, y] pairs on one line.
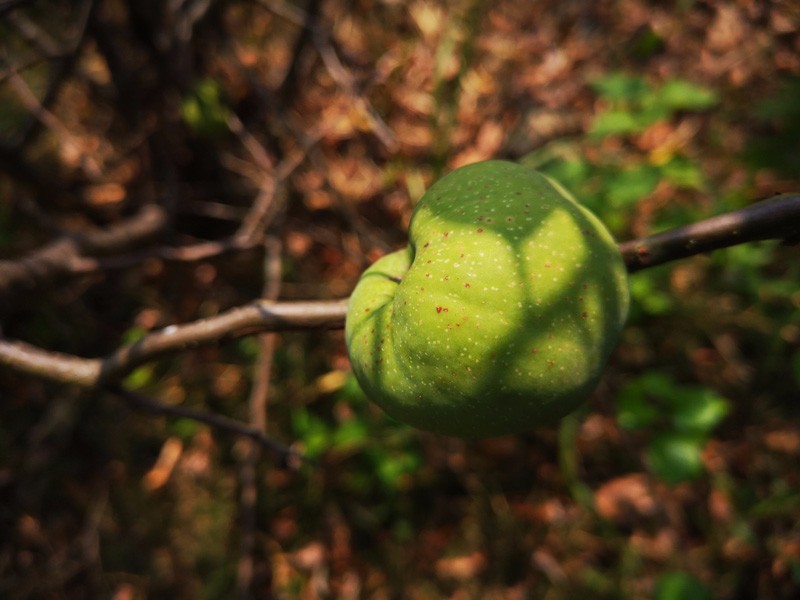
[[501, 313]]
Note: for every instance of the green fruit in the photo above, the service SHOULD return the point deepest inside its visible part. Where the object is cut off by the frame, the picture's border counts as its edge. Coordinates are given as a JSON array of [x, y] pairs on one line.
[[501, 313]]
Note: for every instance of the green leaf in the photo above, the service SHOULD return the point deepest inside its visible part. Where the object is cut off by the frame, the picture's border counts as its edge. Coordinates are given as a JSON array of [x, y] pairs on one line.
[[184, 428], [615, 122], [350, 434], [648, 297], [571, 173], [631, 185], [659, 384], [392, 469], [204, 111], [698, 410], [679, 94], [139, 377], [312, 430], [683, 173], [620, 87], [133, 335], [675, 457], [634, 410], [680, 586]]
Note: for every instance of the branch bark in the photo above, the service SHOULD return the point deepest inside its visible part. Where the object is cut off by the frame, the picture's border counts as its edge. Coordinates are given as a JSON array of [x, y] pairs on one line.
[[63, 255], [777, 218], [252, 318]]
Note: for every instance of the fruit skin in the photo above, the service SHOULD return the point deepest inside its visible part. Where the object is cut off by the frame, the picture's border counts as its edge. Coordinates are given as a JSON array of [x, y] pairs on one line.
[[501, 313]]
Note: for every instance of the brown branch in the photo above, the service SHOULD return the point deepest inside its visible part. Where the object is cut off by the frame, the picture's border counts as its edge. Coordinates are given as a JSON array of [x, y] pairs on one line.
[[87, 163], [775, 219], [214, 420], [60, 257], [250, 454], [312, 31], [190, 253], [252, 318]]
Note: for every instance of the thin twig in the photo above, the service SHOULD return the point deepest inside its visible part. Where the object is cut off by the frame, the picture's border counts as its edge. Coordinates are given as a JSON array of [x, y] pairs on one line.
[[342, 76], [259, 394], [270, 179], [308, 20], [218, 422], [87, 162], [59, 257], [180, 254]]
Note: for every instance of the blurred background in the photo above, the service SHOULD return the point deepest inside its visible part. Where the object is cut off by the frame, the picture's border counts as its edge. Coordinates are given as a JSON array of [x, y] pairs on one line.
[[296, 138]]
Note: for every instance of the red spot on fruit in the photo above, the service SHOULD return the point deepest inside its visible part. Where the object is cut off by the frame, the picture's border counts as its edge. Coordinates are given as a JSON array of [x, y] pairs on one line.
[[438, 309], [466, 285], [480, 229], [426, 244], [446, 233]]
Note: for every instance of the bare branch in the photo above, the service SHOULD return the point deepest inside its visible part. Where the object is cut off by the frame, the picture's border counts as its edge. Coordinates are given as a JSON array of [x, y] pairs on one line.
[[778, 218], [252, 318], [214, 420], [774, 219], [308, 20], [259, 394], [65, 137], [61, 256], [190, 253]]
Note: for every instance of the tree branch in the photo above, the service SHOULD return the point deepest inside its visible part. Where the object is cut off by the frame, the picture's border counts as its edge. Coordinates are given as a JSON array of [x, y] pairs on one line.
[[218, 422], [62, 255], [777, 218], [252, 318]]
